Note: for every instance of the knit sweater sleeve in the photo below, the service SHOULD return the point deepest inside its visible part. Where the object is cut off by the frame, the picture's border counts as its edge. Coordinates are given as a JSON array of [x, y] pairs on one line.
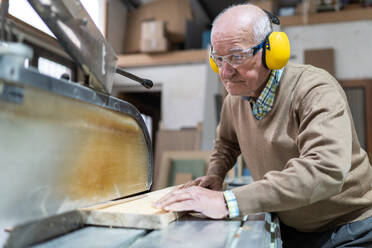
[[226, 147], [324, 143]]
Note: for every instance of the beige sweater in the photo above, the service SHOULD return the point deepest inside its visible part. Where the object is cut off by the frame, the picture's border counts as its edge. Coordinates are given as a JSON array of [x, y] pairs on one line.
[[304, 155]]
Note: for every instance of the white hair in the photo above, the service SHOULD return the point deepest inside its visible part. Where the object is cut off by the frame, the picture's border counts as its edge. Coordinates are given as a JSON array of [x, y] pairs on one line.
[[261, 26]]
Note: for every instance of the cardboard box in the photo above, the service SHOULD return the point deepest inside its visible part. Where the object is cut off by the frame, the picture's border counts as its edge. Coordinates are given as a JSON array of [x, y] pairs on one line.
[[153, 45], [306, 8], [322, 58], [152, 29], [174, 13]]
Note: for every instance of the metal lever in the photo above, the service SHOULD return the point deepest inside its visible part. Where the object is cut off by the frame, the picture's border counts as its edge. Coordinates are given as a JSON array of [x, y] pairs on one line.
[[147, 83]]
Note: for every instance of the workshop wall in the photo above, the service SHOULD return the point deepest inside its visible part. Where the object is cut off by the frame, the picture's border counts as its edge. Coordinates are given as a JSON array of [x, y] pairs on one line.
[[351, 42], [116, 24], [182, 88]]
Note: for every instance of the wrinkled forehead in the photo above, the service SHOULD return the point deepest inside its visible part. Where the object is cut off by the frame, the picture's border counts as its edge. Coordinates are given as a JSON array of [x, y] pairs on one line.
[[232, 31], [227, 40], [234, 28]]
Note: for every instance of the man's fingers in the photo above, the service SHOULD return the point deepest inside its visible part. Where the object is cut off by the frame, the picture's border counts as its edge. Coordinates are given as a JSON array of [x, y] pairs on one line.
[[181, 206], [186, 185], [204, 184], [182, 186], [173, 197], [191, 183]]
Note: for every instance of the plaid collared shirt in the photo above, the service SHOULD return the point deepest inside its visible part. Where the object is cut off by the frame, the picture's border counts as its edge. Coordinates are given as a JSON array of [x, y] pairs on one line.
[[265, 101]]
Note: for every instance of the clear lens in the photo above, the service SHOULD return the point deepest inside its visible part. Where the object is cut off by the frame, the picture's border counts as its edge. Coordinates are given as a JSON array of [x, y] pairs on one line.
[[233, 59]]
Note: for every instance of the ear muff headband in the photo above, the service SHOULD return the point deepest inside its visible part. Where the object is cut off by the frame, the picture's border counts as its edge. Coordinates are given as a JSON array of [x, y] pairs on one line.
[[273, 18], [276, 50]]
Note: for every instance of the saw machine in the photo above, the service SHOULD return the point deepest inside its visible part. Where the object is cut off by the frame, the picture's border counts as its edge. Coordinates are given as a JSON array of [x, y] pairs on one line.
[[66, 149]]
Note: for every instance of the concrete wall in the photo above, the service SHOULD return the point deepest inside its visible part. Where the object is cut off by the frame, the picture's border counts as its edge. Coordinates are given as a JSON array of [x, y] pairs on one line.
[[182, 87], [351, 41]]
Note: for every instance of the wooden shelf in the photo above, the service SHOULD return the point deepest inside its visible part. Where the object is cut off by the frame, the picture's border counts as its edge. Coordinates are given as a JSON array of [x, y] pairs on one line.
[[197, 56], [176, 57], [346, 15]]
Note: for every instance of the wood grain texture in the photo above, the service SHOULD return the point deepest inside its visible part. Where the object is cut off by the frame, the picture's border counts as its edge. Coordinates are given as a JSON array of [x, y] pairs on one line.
[[137, 213], [169, 140], [366, 84], [166, 161], [181, 178], [176, 57]]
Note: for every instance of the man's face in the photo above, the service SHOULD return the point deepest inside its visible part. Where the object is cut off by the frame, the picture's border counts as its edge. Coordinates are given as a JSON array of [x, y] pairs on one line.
[[246, 79]]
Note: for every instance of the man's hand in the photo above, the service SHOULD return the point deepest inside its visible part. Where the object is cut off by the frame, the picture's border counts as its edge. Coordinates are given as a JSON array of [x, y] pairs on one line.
[[208, 202], [211, 182]]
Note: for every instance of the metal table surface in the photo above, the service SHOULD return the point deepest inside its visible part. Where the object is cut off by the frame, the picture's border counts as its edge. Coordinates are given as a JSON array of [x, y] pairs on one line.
[[254, 231]]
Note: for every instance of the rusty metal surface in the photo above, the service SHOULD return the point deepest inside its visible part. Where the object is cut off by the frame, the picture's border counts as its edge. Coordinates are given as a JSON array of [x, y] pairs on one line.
[[65, 146]]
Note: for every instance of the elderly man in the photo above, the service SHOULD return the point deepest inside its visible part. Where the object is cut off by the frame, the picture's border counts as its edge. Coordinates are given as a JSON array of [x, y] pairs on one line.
[[295, 131]]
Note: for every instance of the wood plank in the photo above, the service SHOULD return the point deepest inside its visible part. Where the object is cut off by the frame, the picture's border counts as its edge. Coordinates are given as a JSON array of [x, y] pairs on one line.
[[296, 20], [346, 15], [367, 85], [112, 203], [322, 58], [195, 167], [138, 213], [176, 57], [167, 158], [181, 178], [169, 140]]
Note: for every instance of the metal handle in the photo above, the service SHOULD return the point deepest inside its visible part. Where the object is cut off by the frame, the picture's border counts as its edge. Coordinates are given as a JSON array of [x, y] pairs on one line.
[[147, 83]]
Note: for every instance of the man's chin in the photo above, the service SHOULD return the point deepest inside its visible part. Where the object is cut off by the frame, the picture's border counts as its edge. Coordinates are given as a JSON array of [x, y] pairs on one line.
[[235, 89], [233, 92]]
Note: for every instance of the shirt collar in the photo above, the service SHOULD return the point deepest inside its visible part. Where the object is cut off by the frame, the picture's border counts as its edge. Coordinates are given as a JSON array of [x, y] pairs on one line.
[[265, 101]]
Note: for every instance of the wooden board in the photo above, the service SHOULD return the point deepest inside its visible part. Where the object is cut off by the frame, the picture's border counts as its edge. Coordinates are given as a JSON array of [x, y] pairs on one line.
[[181, 178], [365, 84], [346, 15], [196, 167], [169, 140], [322, 58], [166, 161], [136, 213], [169, 58]]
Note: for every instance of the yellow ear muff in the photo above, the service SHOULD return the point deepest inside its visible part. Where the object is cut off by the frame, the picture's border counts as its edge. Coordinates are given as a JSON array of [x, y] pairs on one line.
[[213, 64], [277, 50]]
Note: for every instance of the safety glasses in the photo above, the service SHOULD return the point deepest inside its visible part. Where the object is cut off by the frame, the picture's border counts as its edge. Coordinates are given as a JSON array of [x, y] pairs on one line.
[[236, 59]]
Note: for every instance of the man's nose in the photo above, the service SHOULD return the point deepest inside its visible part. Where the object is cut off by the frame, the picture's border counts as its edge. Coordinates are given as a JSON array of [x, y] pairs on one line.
[[227, 70]]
